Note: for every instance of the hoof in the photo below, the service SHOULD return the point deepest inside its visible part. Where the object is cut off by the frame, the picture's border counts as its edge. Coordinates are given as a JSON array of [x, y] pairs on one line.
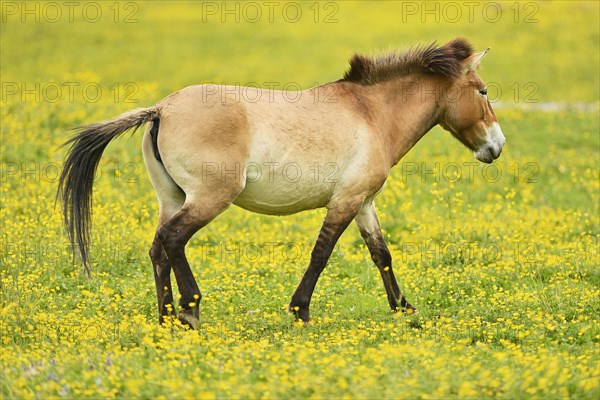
[[188, 319], [407, 309], [301, 314]]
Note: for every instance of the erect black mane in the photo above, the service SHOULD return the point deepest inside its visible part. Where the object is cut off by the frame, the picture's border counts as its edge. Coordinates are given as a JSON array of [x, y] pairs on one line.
[[432, 59]]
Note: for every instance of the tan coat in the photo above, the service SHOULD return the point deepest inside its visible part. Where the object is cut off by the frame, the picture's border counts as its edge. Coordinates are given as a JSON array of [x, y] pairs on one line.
[[277, 152]]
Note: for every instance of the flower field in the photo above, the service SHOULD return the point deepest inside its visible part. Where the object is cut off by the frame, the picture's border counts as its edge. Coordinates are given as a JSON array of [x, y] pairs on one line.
[[501, 261]]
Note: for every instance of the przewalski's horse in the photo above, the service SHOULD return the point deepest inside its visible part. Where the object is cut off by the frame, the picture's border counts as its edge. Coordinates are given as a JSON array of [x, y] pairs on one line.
[[210, 146]]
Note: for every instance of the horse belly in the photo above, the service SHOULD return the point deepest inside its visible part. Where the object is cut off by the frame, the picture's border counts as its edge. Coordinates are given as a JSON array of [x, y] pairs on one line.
[[284, 191]]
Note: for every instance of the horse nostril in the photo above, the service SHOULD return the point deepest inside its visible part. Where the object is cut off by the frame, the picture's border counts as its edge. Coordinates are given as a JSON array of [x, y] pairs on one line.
[[485, 154], [495, 151]]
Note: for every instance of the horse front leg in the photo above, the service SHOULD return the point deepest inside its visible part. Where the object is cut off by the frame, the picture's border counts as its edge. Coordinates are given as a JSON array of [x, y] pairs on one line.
[[370, 230], [336, 221]]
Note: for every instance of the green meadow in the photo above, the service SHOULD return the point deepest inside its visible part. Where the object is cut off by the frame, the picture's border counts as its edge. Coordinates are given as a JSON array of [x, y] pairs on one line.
[[501, 260]]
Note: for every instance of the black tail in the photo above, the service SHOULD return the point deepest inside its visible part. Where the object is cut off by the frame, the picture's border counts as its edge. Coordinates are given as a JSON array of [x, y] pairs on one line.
[[77, 177]]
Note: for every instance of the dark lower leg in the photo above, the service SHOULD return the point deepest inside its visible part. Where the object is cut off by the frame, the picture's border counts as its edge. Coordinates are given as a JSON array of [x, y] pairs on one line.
[[173, 236], [162, 279], [330, 232], [382, 258]]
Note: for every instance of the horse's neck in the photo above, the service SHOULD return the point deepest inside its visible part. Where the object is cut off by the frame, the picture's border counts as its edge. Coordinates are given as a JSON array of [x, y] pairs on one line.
[[408, 108]]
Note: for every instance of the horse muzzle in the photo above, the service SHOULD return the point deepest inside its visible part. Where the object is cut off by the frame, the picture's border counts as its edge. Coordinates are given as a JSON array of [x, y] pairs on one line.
[[492, 147]]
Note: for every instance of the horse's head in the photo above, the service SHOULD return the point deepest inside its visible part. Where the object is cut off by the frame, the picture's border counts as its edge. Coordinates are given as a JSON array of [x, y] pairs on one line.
[[468, 114]]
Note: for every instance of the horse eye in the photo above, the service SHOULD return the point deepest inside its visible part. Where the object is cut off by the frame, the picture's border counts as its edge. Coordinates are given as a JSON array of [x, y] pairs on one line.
[[483, 92]]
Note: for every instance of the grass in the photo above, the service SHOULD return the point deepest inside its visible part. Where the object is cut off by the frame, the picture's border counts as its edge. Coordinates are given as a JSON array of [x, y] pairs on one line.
[[501, 261]]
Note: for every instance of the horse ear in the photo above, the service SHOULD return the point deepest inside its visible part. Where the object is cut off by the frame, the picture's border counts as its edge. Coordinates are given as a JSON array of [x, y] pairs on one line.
[[473, 61]]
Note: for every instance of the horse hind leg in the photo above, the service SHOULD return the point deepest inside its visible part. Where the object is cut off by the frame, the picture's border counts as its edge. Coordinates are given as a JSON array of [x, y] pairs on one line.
[[173, 236], [188, 197], [202, 201], [170, 200], [162, 280], [168, 252]]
